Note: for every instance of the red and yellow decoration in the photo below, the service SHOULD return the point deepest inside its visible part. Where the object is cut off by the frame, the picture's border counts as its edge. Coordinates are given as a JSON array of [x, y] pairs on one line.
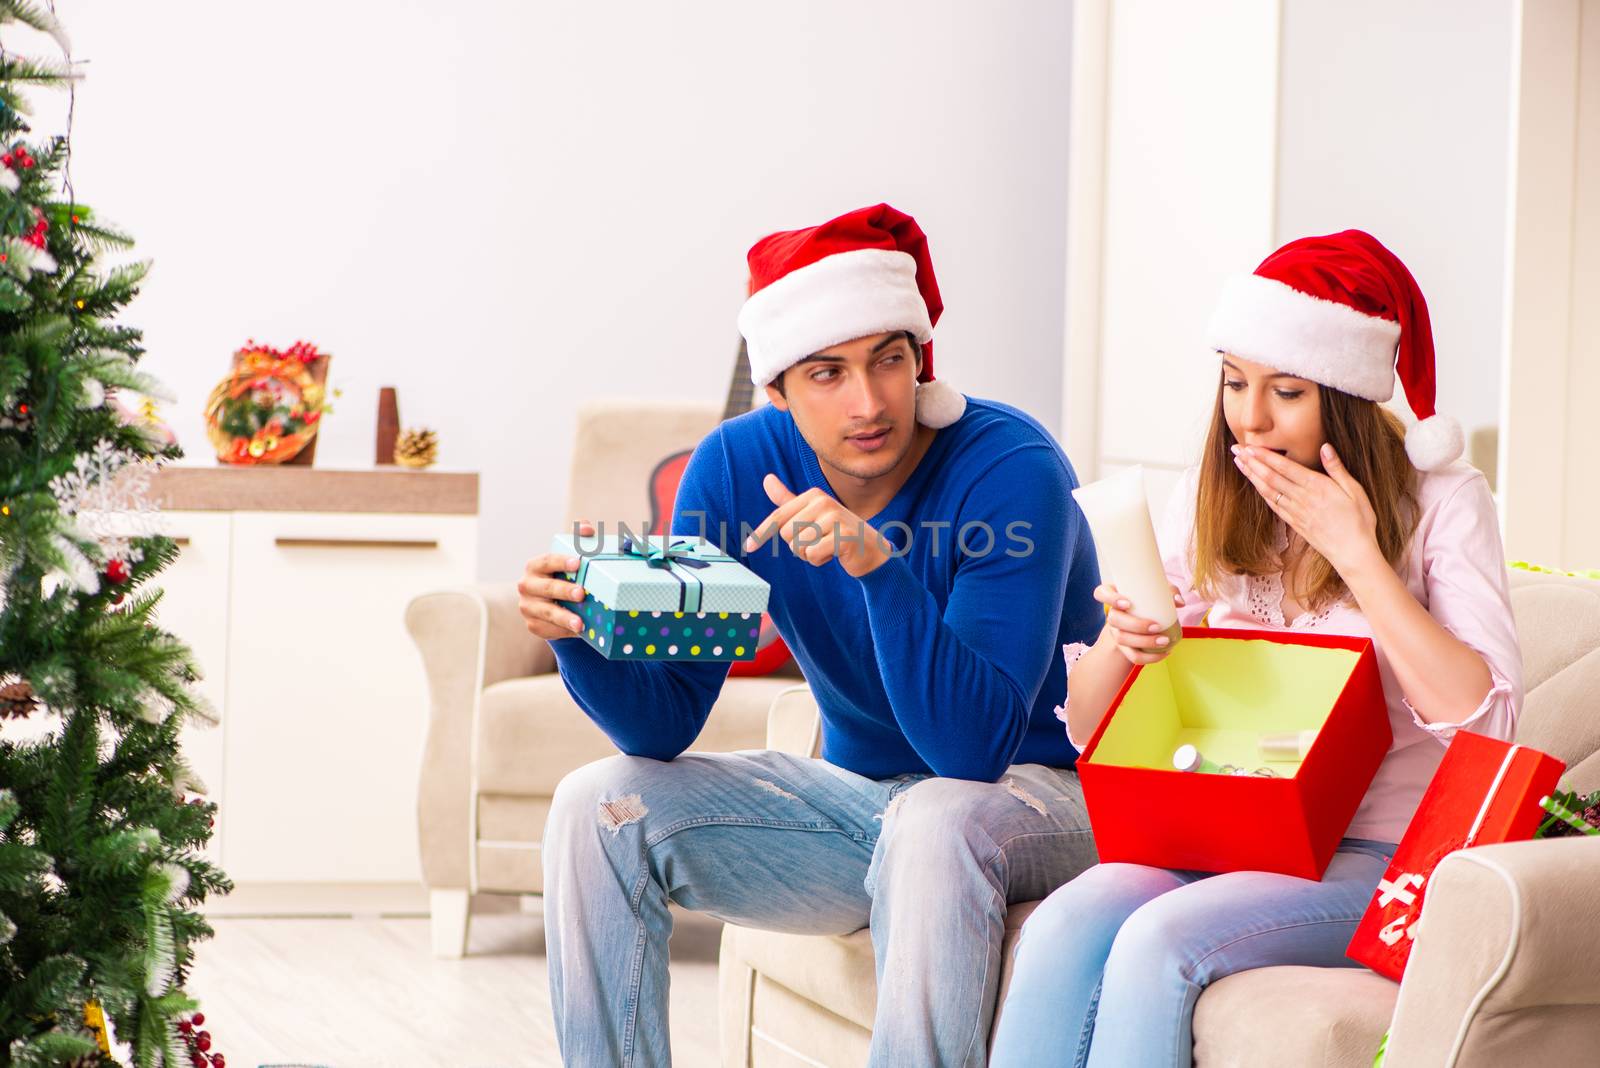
[[270, 406]]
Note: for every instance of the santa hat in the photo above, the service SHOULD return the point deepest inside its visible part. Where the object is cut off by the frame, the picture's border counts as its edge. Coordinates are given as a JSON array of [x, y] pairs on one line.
[[864, 273], [1344, 312]]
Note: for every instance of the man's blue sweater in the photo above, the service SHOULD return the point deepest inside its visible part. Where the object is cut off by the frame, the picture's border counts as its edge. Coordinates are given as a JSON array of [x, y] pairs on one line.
[[945, 659]]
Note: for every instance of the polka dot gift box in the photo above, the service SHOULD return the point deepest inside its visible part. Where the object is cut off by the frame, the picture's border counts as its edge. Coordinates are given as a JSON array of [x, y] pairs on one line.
[[664, 598]]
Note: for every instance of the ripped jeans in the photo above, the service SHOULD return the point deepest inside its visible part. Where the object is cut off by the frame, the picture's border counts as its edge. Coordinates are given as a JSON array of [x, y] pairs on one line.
[[770, 840]]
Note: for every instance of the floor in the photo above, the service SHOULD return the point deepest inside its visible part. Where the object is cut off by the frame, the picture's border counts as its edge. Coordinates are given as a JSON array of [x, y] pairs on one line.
[[318, 982]]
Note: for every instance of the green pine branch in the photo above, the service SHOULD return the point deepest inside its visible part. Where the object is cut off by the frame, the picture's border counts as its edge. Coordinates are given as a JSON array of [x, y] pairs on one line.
[[29, 14], [31, 71]]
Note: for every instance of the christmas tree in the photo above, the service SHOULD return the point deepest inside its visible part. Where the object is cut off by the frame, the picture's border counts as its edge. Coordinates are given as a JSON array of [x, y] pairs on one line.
[[101, 874]]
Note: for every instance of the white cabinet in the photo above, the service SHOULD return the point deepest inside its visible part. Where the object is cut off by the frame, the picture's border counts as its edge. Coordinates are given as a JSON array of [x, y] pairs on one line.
[[326, 697], [297, 620]]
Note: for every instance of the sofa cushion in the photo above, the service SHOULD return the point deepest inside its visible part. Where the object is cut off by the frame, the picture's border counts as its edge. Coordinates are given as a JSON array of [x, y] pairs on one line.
[[1558, 622], [1558, 716], [1308, 1017], [835, 971], [531, 732]]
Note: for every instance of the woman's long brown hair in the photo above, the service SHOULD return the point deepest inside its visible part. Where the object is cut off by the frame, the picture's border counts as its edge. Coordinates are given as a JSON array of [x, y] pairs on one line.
[[1234, 529]]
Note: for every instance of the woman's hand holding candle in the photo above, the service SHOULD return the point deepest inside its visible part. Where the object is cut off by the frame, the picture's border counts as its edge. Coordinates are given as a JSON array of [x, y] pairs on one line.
[[1126, 640], [1140, 641]]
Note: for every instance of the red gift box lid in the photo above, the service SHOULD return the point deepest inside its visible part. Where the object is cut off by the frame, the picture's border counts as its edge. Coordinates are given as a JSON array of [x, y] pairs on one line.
[[1485, 790]]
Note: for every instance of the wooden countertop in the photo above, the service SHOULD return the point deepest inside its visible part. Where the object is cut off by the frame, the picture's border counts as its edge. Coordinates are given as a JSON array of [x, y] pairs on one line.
[[271, 488]]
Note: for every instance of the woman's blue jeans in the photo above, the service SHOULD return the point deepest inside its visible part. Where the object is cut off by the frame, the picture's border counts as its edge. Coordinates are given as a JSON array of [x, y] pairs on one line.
[[1109, 967]]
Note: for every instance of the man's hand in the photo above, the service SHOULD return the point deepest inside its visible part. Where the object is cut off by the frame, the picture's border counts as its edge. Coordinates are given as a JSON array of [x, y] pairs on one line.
[[818, 528], [544, 583]]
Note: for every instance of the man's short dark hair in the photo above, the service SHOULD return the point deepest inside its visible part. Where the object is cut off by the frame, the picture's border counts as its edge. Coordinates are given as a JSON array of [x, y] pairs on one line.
[[911, 339]]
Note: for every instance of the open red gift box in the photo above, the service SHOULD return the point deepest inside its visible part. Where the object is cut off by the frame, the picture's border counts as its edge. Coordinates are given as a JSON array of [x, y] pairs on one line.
[[1221, 690]]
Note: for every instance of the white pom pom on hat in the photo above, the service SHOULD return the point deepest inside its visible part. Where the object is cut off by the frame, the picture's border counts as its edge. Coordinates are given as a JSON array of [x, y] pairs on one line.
[[1434, 442], [867, 272], [939, 404], [1344, 312]]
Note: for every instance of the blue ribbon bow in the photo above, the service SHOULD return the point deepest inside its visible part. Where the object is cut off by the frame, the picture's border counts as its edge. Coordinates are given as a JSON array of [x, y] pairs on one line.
[[678, 558]]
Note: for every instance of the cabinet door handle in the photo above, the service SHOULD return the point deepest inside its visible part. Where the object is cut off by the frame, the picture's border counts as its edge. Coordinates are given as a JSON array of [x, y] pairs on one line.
[[355, 543]]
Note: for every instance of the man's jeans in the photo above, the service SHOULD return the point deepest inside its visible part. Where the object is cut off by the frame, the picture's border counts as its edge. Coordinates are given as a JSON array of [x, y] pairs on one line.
[[765, 839]]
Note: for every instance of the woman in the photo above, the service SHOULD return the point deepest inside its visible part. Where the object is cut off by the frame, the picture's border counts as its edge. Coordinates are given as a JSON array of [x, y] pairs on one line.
[[1305, 514]]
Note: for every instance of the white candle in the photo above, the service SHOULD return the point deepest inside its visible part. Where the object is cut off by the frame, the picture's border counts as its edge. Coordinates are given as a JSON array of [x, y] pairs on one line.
[[1125, 543], [1286, 745]]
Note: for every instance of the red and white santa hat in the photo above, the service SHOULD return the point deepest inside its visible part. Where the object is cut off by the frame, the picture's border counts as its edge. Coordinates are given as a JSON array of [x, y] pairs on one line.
[[867, 272], [1344, 312]]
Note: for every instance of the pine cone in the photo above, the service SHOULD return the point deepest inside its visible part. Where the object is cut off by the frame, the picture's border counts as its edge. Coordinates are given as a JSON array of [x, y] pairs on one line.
[[17, 700], [417, 447]]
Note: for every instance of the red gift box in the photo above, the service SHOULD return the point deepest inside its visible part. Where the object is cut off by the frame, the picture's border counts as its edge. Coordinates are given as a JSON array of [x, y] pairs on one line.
[[1220, 690], [1485, 791]]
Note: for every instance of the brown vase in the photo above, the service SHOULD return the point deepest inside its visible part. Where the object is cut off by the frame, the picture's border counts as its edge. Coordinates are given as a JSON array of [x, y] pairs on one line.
[[388, 425]]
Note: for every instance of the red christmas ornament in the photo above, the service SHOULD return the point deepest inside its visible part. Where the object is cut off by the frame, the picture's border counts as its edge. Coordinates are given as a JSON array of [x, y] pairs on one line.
[[117, 571], [199, 1043], [40, 228]]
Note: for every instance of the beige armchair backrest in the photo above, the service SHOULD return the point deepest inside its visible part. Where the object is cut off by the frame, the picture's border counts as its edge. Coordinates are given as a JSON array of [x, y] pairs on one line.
[[619, 443]]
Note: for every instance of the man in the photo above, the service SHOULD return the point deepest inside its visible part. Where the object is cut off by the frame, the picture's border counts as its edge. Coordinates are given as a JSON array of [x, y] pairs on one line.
[[927, 562]]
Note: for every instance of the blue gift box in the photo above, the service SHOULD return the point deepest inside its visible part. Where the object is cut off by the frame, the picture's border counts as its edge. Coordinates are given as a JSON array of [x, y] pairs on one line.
[[665, 598]]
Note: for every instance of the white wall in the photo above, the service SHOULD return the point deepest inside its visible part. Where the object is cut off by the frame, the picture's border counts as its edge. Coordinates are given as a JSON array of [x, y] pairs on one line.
[[1395, 119], [1191, 104], [1548, 507], [1238, 125], [506, 209]]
